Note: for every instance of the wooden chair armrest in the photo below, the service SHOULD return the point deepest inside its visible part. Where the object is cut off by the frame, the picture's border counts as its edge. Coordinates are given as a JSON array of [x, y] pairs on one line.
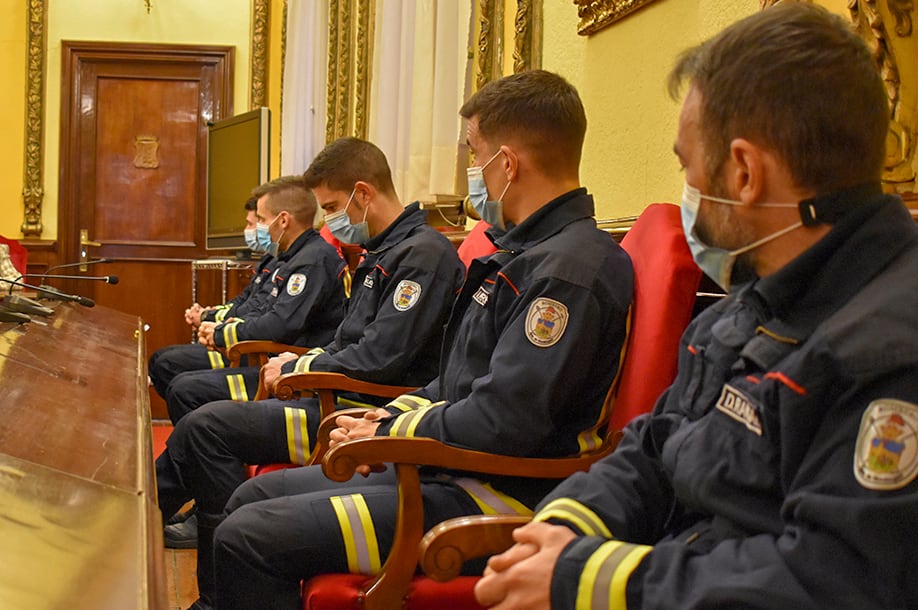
[[451, 543], [341, 461], [290, 386], [325, 427], [262, 348]]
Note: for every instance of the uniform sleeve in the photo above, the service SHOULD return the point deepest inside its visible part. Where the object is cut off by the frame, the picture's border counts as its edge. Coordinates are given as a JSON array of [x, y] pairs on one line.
[[515, 408], [300, 291], [412, 310], [840, 543]]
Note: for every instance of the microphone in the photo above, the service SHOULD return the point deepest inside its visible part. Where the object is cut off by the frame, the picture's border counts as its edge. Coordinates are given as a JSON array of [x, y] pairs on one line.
[[92, 262], [53, 293], [108, 279], [7, 315]]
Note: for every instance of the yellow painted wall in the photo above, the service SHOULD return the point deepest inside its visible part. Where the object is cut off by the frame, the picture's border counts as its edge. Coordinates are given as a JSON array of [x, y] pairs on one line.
[[204, 22], [12, 113], [620, 72]]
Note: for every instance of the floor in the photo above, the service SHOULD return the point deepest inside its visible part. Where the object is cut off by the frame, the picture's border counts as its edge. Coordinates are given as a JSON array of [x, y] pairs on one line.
[[181, 582]]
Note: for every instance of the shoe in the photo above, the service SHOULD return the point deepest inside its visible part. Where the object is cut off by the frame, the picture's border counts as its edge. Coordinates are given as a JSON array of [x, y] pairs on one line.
[[182, 516], [200, 604], [182, 535]]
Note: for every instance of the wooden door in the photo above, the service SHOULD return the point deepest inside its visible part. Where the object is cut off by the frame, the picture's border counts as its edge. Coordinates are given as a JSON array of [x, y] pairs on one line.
[[133, 173]]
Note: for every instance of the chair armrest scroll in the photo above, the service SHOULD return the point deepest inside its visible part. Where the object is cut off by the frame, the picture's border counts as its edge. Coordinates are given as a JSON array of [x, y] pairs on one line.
[[451, 543]]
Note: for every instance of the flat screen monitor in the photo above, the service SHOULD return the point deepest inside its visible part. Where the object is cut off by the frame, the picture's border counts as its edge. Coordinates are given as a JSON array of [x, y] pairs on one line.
[[238, 155]]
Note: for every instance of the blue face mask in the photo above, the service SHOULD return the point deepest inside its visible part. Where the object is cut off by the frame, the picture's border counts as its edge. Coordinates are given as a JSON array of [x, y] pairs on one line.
[[340, 225], [718, 263], [263, 236], [492, 212], [251, 240]]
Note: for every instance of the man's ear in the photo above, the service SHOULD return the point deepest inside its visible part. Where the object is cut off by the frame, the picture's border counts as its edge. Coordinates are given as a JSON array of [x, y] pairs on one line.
[[364, 193], [746, 173], [510, 162]]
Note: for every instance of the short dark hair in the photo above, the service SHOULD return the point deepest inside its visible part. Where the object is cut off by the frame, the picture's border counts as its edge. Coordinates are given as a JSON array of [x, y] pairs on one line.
[[288, 194], [538, 109], [251, 204], [797, 80], [346, 161]]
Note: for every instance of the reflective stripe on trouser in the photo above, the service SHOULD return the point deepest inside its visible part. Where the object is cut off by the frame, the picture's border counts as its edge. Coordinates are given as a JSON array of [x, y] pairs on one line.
[[216, 359], [491, 501], [237, 389], [358, 533]]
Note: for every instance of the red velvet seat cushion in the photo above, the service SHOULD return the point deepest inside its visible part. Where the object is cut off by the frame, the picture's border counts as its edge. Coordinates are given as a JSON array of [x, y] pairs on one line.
[[340, 591]]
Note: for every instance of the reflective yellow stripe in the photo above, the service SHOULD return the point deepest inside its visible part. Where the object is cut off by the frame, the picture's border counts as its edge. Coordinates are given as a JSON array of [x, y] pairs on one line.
[[220, 314], [237, 390], [408, 402], [357, 533], [491, 501], [230, 336], [617, 590], [303, 362], [297, 436], [216, 360], [356, 404], [577, 514], [346, 280]]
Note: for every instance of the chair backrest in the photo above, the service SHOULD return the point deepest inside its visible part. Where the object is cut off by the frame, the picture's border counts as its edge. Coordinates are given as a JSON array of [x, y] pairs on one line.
[[18, 254], [665, 281], [475, 244]]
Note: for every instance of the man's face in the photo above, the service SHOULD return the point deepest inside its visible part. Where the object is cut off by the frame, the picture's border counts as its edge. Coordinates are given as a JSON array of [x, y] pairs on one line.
[[251, 219], [265, 216], [717, 223], [334, 201]]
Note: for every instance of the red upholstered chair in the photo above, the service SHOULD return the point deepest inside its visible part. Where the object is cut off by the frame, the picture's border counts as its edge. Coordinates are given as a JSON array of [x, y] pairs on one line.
[[666, 279], [19, 256]]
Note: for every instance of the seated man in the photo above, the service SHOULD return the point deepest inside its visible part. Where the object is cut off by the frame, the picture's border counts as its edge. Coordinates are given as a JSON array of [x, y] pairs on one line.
[[779, 470], [169, 361], [530, 351], [304, 307], [402, 294]]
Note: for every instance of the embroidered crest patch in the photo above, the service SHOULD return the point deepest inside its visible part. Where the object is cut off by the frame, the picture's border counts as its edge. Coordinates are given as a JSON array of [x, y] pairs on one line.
[[886, 453], [406, 295], [545, 322], [481, 296], [296, 284], [735, 405]]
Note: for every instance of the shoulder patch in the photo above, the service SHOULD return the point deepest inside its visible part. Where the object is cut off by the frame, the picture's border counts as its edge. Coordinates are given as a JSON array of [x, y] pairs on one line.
[[735, 405], [546, 321], [886, 453], [296, 284], [406, 295]]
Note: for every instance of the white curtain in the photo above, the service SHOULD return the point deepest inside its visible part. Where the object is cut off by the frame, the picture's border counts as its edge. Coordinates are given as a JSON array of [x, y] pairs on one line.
[[305, 67], [420, 71]]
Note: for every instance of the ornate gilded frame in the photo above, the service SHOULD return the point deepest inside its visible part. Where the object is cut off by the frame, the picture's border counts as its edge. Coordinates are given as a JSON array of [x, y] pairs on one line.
[[889, 31], [350, 39], [598, 14], [261, 18], [527, 38], [32, 189]]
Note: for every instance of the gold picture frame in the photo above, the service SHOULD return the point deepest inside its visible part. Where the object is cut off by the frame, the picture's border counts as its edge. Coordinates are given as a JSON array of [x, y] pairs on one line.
[[598, 14]]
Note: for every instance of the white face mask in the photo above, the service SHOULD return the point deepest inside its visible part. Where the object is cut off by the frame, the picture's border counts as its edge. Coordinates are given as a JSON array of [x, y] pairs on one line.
[[718, 263], [492, 212]]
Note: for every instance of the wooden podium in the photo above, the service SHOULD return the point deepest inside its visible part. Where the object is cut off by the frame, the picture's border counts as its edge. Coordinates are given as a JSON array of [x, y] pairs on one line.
[[80, 524]]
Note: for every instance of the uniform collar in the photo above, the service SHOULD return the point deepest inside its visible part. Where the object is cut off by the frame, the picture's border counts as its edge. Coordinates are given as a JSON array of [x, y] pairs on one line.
[[548, 220], [859, 245], [399, 229], [298, 243]]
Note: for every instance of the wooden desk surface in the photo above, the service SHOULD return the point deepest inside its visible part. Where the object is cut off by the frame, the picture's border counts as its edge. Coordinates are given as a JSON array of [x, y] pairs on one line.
[[79, 523]]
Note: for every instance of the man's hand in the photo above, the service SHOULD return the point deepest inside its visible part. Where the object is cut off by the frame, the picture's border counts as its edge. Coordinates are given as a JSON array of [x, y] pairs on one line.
[[206, 334], [520, 578], [272, 370], [358, 427], [193, 315]]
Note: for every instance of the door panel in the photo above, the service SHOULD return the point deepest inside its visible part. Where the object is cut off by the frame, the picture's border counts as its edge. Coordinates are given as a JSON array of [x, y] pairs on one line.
[[133, 173]]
